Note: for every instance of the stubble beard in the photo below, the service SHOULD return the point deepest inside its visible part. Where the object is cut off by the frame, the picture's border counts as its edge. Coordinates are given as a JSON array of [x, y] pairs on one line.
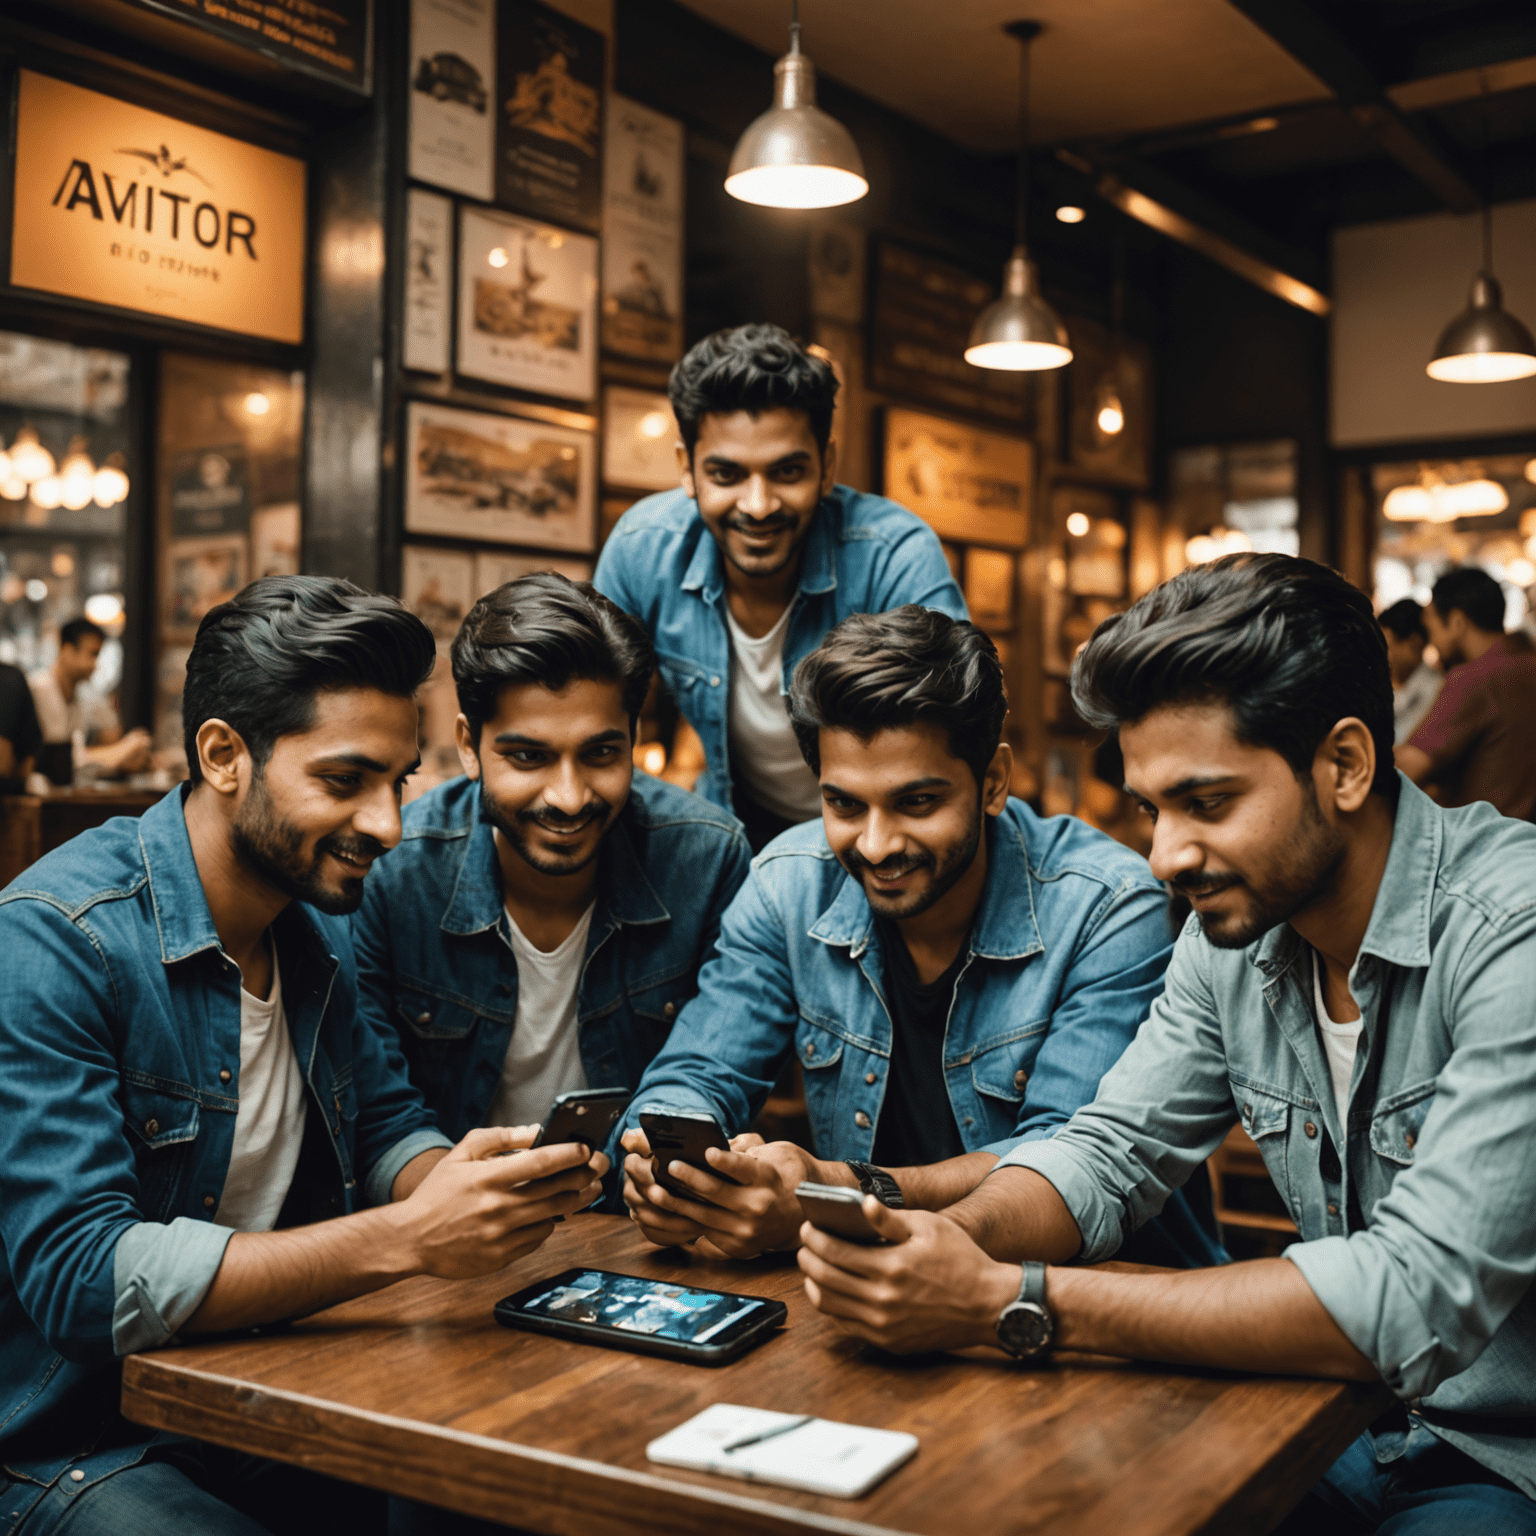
[[946, 874]]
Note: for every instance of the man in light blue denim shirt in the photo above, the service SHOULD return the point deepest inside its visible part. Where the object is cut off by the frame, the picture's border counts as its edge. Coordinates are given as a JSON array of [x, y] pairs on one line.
[[182, 1072], [739, 575], [953, 973], [1357, 988]]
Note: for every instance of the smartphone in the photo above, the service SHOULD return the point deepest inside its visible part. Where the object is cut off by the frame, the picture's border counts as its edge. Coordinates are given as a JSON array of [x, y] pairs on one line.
[[683, 1137], [838, 1211], [651, 1317], [587, 1115]]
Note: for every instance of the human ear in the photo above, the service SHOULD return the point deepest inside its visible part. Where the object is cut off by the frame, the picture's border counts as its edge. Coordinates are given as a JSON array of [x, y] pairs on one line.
[[994, 783], [463, 739], [1347, 758], [220, 752]]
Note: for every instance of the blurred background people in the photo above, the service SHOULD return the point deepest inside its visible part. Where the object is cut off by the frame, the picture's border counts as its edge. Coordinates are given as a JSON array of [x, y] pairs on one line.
[[1478, 741], [1415, 684], [20, 738], [79, 725]]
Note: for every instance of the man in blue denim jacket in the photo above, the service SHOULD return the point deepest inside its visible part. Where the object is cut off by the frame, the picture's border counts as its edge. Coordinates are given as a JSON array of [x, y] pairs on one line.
[[544, 918], [953, 973], [182, 1071], [739, 575], [1355, 987]]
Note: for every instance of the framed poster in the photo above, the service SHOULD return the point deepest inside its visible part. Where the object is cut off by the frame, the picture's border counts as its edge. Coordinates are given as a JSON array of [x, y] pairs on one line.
[[965, 482], [527, 305], [549, 119], [642, 233], [923, 310], [275, 540], [1098, 362], [453, 80], [639, 439], [499, 479], [494, 568], [428, 280], [990, 580], [1096, 540], [201, 574], [437, 585]]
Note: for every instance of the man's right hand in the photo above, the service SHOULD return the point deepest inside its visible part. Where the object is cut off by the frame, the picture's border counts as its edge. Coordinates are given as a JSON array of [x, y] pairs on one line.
[[478, 1210]]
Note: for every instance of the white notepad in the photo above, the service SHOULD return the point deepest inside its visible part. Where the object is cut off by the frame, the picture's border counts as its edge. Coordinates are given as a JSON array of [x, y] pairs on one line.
[[843, 1460]]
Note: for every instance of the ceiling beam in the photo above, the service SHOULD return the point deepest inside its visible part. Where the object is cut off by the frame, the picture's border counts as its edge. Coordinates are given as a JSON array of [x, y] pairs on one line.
[[1317, 45], [1159, 213]]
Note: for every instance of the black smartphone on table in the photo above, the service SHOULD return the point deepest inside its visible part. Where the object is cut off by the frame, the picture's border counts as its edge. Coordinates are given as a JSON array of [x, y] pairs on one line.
[[587, 1115], [838, 1211], [683, 1137], [650, 1317]]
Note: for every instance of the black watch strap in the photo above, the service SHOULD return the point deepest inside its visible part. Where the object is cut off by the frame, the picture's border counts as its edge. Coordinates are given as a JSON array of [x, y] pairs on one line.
[[1026, 1328], [877, 1182]]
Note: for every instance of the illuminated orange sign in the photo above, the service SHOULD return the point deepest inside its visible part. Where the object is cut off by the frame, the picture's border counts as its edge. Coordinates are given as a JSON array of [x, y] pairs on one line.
[[124, 206]]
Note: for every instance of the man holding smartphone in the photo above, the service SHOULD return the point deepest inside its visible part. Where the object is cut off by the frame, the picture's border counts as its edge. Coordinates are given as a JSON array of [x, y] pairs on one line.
[[953, 973], [1354, 987], [544, 918], [196, 1133]]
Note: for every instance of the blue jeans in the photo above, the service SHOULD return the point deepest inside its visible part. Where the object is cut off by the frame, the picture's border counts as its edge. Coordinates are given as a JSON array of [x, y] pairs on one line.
[[184, 1487], [1433, 1489]]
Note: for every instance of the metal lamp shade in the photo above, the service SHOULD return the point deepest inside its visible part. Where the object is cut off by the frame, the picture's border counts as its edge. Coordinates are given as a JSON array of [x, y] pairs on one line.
[[1020, 332], [1484, 344], [795, 155]]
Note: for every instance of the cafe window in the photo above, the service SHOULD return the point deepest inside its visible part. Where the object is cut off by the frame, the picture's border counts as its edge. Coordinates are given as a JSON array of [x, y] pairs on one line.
[[229, 467], [67, 484]]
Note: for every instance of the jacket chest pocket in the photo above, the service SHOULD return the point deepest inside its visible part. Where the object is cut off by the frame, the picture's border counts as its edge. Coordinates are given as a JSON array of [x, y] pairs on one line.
[[1398, 1123], [682, 676], [426, 1017], [162, 1130], [1001, 1072], [1267, 1121], [820, 1054]]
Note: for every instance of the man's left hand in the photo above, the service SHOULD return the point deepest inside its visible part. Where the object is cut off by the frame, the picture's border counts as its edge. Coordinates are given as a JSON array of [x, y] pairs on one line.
[[929, 1288]]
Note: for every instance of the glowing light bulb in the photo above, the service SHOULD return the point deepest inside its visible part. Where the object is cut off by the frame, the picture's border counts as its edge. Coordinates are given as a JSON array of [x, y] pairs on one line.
[[1077, 524], [62, 564], [77, 478], [653, 424], [36, 590], [47, 492], [1111, 417], [111, 483], [13, 487], [104, 608], [1408, 504], [29, 458], [255, 403], [498, 257], [1522, 572], [1070, 213]]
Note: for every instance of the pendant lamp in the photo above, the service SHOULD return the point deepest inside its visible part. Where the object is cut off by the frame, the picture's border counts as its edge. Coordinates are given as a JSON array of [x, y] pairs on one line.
[[795, 155], [1484, 344], [1020, 332], [1108, 408]]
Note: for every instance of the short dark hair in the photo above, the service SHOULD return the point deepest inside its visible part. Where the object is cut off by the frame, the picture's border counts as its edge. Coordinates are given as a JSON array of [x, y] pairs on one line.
[[882, 671], [1471, 589], [76, 630], [1287, 644], [1404, 618], [547, 629], [753, 368], [260, 660]]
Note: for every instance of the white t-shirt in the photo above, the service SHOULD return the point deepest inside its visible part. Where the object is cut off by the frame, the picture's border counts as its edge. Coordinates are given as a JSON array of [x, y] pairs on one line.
[[764, 753], [1340, 1041], [544, 1055], [269, 1127], [64, 719]]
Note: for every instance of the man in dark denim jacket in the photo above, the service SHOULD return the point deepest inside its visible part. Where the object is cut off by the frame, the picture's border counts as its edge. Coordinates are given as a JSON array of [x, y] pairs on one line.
[[545, 918], [182, 1072]]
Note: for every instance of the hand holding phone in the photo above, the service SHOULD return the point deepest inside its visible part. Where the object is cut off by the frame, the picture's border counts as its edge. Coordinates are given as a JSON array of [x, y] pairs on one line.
[[587, 1116], [838, 1211], [683, 1137]]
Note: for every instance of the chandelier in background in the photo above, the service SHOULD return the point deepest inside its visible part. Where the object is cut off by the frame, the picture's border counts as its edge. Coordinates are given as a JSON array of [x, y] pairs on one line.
[[28, 473]]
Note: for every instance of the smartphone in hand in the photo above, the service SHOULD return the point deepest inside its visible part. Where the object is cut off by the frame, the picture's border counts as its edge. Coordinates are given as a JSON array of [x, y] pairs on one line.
[[683, 1137], [838, 1211], [587, 1116]]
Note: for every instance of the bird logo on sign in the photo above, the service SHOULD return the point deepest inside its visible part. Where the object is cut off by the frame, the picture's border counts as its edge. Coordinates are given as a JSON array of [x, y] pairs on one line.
[[162, 162]]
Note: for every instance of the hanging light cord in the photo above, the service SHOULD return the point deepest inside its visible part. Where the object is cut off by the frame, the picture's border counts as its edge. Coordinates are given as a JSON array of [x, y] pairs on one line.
[[1482, 78], [794, 26], [1024, 31]]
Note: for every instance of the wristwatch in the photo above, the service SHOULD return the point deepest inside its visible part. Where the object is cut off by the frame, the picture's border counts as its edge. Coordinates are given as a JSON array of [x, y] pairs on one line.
[[1025, 1327], [877, 1182]]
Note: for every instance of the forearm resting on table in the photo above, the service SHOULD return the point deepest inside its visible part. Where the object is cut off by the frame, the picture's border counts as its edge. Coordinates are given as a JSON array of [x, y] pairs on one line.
[[938, 1185], [267, 1276], [1016, 1214]]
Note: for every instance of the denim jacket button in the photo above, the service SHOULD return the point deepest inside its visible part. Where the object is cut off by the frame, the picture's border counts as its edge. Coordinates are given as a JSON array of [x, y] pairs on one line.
[[151, 1127], [1021, 1080], [670, 1011], [77, 1476], [810, 1048], [861, 1120], [1409, 1140], [209, 1201], [714, 682], [869, 1077], [423, 1018], [224, 1074], [1310, 1129], [1333, 1208]]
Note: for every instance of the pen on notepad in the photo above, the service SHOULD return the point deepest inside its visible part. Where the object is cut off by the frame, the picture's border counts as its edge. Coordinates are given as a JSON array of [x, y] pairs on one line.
[[769, 1434]]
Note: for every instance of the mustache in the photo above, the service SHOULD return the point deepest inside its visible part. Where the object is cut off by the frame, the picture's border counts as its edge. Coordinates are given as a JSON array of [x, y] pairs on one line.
[[889, 869], [740, 522], [360, 847], [548, 817], [1202, 885]]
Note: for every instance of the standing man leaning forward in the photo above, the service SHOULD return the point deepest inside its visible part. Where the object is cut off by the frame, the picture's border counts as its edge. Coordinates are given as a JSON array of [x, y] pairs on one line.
[[1478, 739], [545, 918], [739, 575], [954, 973], [1354, 986], [191, 1115]]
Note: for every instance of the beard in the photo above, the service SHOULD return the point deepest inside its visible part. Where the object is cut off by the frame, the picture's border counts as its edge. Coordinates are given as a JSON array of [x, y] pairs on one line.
[[1311, 855], [769, 563], [273, 850], [947, 873], [517, 829]]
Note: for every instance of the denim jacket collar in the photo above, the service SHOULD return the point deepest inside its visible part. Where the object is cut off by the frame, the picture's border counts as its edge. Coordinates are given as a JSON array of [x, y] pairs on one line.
[[818, 560], [1006, 927], [1398, 931], [624, 894]]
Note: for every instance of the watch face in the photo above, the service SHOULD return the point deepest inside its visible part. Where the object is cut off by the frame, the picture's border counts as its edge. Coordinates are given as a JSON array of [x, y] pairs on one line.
[[1025, 1329]]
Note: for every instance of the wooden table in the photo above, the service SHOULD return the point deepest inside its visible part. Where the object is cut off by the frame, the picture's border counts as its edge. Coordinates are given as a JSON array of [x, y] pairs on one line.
[[416, 1390], [32, 825]]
